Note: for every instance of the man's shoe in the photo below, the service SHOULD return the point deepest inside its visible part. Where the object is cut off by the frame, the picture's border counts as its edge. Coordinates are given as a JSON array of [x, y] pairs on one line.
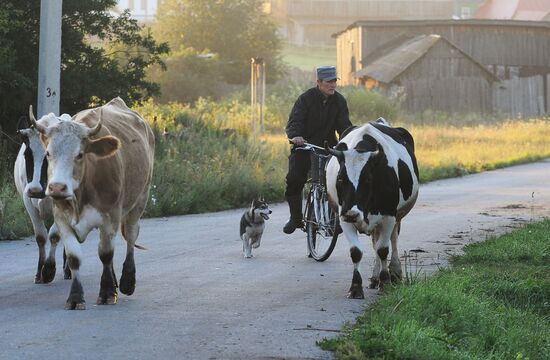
[[291, 225]]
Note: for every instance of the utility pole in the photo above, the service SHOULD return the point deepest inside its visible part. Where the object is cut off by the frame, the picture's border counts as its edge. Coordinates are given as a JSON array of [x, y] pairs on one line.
[[257, 91], [49, 57]]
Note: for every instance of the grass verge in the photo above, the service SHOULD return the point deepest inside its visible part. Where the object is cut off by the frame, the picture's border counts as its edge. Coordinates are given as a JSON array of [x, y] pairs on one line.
[[493, 303]]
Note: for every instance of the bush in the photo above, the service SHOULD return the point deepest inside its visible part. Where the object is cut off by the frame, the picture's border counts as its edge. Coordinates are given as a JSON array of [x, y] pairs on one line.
[[14, 220], [365, 105]]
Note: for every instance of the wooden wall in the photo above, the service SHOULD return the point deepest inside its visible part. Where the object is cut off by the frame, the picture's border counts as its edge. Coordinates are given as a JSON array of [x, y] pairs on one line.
[[446, 80], [522, 96], [349, 43], [518, 49], [488, 44]]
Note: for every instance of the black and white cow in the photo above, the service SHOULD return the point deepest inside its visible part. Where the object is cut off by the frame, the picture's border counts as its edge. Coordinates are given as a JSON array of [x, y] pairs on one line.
[[30, 175], [373, 179]]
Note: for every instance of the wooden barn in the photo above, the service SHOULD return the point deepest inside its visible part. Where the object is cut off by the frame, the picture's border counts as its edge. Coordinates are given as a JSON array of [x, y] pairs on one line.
[[515, 52], [432, 73]]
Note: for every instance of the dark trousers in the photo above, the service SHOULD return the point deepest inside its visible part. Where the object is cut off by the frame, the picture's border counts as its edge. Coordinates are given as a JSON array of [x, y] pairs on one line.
[[299, 163]]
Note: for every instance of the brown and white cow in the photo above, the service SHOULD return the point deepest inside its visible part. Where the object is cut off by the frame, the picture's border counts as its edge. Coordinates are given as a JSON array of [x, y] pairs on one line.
[[100, 166]]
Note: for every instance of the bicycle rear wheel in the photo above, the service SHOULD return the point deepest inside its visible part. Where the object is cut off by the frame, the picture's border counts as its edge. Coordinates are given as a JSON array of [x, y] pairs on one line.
[[321, 225]]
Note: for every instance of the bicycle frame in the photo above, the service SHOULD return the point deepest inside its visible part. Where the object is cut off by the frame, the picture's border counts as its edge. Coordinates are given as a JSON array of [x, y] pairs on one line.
[[320, 219]]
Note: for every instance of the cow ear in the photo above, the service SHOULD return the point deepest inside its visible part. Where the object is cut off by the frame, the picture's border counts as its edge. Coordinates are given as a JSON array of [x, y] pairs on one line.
[[104, 146]]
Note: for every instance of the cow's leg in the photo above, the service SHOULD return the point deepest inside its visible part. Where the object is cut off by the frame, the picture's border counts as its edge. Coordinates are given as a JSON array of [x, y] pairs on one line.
[[41, 235], [356, 253], [106, 250], [66, 269], [130, 231], [375, 278], [75, 301], [48, 270], [383, 248], [247, 246], [396, 273]]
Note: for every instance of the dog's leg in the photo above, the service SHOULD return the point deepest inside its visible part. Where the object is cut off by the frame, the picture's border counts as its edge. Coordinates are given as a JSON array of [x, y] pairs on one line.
[[247, 248], [256, 243]]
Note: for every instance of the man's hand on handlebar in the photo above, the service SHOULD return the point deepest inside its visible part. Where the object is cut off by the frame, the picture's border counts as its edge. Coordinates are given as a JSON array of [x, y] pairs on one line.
[[297, 140]]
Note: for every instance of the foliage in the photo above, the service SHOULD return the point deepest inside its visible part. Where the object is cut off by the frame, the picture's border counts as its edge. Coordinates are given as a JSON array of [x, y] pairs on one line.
[[14, 221], [202, 165], [89, 71], [492, 304], [190, 75], [366, 105], [211, 159], [234, 30]]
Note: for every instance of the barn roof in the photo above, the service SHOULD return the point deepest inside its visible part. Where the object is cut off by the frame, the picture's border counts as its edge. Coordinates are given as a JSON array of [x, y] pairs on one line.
[[448, 22], [390, 65]]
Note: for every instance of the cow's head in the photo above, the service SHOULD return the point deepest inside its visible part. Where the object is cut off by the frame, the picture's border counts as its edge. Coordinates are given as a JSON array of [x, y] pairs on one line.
[[355, 179], [68, 144], [36, 164]]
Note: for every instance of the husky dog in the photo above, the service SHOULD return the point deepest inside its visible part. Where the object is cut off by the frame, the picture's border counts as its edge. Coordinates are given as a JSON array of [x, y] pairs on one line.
[[252, 225]]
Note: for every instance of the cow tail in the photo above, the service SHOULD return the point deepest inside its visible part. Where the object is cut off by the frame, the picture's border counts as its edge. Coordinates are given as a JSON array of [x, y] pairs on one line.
[[141, 247]]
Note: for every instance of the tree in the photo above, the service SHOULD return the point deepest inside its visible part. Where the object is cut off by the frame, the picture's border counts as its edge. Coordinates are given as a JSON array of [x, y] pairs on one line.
[[235, 30], [102, 57]]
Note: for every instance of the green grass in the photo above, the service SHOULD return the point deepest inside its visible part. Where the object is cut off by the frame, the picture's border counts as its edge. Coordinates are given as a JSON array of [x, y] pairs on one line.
[[14, 221], [493, 303], [308, 58]]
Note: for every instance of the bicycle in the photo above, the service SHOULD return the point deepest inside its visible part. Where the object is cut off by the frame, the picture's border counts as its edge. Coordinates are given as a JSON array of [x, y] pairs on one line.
[[321, 222]]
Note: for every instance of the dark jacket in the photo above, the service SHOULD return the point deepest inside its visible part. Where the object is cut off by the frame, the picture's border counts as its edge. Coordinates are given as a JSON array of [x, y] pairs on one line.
[[316, 118]]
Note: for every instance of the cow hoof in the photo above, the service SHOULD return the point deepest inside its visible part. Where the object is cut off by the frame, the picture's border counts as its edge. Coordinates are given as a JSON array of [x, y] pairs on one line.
[[48, 272], [127, 283], [395, 278], [373, 283], [356, 292], [67, 274], [71, 305], [38, 279], [107, 300], [128, 279]]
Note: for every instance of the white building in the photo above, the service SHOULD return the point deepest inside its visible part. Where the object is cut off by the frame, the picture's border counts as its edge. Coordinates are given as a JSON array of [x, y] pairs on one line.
[[141, 10]]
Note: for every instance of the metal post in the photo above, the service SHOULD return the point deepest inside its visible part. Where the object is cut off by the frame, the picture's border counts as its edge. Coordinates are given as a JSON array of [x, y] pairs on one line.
[[49, 59], [263, 98], [253, 92]]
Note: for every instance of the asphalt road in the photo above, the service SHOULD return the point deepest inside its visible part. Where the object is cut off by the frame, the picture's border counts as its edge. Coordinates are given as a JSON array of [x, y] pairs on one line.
[[198, 298]]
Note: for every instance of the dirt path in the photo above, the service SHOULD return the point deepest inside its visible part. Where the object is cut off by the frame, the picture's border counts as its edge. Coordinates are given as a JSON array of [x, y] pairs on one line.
[[197, 298]]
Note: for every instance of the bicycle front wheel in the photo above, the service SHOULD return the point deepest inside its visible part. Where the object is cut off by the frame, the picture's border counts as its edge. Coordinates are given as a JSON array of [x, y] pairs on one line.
[[321, 225]]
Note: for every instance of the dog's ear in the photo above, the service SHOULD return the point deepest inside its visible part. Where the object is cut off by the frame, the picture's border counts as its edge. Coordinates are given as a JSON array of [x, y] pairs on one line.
[[252, 203]]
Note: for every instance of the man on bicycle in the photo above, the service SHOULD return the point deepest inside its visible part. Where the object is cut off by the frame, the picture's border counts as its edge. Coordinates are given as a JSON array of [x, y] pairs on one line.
[[315, 117]]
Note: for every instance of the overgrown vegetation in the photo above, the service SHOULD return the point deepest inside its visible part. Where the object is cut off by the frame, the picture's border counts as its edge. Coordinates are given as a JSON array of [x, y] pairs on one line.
[[202, 164], [492, 304], [211, 159]]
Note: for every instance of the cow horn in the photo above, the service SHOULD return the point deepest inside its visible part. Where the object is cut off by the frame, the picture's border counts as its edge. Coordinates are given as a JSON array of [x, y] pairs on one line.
[[339, 154], [37, 126], [97, 127]]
